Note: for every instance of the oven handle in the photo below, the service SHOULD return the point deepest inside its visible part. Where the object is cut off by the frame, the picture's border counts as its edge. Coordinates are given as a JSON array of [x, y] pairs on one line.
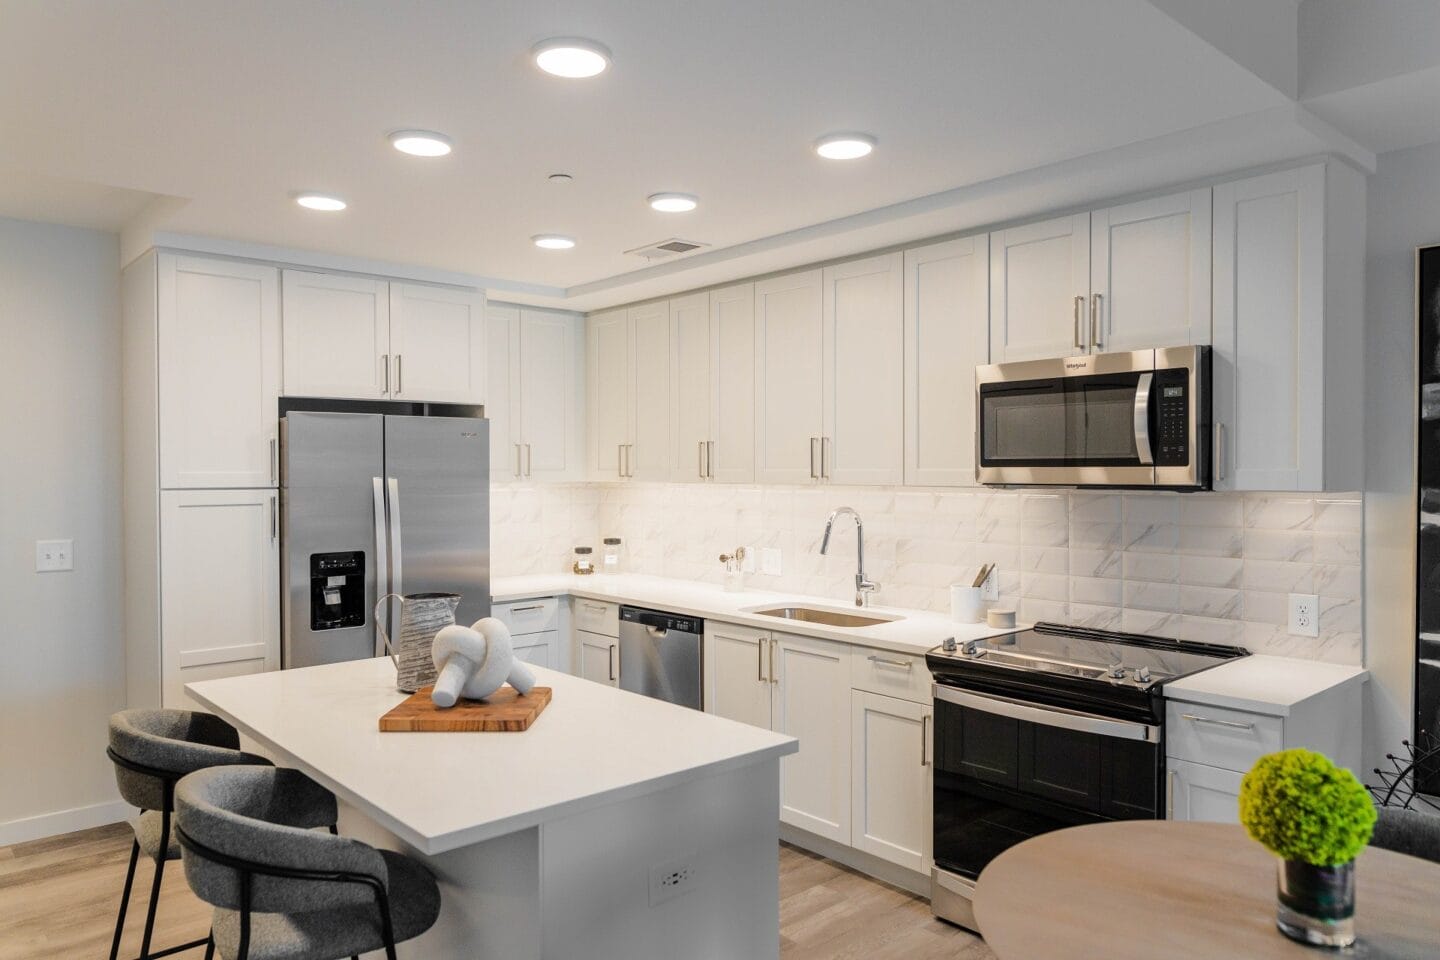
[[1049, 716], [1142, 419]]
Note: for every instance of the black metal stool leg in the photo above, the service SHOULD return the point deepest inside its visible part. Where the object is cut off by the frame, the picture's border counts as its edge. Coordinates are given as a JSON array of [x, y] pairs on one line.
[[159, 875], [125, 899], [210, 946]]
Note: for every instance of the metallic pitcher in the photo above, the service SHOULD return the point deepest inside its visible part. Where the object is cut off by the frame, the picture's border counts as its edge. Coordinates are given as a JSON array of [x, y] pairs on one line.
[[422, 615]]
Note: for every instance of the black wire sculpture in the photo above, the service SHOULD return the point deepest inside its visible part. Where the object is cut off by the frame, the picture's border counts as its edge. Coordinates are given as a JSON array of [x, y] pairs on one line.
[[1397, 785]]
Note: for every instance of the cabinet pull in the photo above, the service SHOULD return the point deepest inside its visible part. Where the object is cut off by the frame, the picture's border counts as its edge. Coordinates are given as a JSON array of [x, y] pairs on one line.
[[274, 461], [1219, 451], [906, 664], [825, 458], [1169, 794], [1095, 320], [760, 660], [710, 459], [611, 663], [399, 374], [518, 471], [1079, 337], [925, 740], [528, 460], [385, 362], [619, 459], [813, 474], [527, 609], [597, 607], [274, 518], [1219, 723], [700, 459], [771, 645]]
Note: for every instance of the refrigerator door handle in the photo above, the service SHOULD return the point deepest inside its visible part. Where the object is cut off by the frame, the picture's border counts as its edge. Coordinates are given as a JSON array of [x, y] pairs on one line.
[[398, 577], [382, 571]]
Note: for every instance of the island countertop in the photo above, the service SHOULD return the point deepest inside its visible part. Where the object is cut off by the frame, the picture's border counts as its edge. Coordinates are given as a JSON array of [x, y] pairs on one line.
[[593, 745]]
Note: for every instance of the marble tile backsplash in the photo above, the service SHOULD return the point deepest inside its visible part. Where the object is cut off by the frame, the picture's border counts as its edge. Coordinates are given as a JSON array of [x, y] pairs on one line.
[[1215, 567]]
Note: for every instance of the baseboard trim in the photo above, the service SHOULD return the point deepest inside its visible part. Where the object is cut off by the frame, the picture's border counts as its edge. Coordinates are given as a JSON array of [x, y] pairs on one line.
[[64, 821], [868, 864]]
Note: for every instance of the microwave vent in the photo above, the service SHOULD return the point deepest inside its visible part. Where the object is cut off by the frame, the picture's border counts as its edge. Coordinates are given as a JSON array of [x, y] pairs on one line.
[[666, 248]]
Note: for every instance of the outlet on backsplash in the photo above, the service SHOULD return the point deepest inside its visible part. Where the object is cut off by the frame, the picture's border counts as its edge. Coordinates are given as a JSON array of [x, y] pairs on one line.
[[1304, 615], [770, 561]]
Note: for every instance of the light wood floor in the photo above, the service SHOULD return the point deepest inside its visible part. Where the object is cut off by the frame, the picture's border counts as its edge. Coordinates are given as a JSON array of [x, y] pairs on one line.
[[58, 899]]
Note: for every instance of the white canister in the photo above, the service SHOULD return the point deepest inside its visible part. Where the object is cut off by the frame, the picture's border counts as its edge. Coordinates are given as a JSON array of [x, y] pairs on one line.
[[966, 604]]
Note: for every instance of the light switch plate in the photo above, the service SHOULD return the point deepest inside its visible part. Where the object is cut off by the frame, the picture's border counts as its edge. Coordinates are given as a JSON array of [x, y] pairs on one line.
[[54, 556], [748, 564], [1304, 615], [990, 589], [770, 561]]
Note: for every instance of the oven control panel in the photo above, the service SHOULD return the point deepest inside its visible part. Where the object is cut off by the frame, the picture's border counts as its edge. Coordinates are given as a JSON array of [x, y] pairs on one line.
[[1172, 413]]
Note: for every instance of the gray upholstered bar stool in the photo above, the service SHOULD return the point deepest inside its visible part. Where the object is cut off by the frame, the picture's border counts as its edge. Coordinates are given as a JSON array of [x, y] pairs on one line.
[[1408, 831], [283, 892], [152, 750]]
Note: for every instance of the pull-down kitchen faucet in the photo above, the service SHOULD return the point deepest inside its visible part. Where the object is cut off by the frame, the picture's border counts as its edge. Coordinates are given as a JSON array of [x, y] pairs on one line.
[[863, 587]]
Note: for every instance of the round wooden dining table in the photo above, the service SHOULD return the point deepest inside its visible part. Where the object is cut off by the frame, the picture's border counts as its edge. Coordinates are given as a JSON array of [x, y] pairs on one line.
[[1162, 890]]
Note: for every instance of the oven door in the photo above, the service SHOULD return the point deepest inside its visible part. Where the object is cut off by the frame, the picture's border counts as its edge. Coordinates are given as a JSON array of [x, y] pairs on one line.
[[1008, 770]]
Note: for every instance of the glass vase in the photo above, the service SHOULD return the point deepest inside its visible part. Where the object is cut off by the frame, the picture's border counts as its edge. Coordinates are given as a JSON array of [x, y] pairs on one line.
[[1316, 904]]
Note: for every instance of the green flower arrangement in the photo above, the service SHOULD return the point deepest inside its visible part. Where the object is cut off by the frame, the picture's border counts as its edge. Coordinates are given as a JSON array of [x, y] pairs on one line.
[[1303, 807]]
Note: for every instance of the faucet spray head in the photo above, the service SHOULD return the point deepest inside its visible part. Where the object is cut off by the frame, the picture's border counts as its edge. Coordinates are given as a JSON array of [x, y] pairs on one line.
[[825, 540]]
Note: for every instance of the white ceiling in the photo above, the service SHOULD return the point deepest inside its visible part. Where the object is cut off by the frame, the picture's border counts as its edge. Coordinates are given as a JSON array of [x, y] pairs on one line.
[[233, 107]]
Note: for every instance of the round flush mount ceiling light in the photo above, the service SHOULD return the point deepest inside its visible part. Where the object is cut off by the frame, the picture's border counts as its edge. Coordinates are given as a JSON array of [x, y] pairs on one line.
[[673, 202], [845, 146], [571, 57], [320, 201], [553, 241], [421, 143]]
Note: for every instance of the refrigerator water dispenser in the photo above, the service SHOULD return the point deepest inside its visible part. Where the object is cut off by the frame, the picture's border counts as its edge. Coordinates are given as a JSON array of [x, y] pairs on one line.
[[337, 590]]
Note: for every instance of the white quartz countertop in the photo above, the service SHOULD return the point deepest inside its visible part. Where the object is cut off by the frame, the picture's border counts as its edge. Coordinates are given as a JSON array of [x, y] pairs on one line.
[[915, 632], [593, 745], [1262, 684]]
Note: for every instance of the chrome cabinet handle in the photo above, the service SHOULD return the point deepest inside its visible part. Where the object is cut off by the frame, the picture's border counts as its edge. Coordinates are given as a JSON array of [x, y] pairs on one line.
[[598, 607], [611, 661], [825, 458], [385, 362], [925, 740], [771, 645], [1169, 794], [529, 461], [274, 461], [518, 471], [760, 660], [1095, 320], [1219, 451], [906, 664], [527, 609], [813, 474], [399, 372], [274, 518], [710, 459], [619, 459], [1079, 336], [1142, 419], [1234, 725], [700, 459]]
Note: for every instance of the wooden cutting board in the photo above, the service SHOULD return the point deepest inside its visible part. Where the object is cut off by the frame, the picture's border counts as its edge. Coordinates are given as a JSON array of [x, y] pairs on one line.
[[505, 711]]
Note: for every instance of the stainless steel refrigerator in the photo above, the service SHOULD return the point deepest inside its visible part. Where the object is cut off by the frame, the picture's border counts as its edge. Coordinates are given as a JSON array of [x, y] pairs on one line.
[[374, 504]]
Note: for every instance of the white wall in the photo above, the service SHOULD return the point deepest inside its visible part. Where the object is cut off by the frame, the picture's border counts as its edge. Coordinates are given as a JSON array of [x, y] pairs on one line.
[[1403, 213], [62, 669]]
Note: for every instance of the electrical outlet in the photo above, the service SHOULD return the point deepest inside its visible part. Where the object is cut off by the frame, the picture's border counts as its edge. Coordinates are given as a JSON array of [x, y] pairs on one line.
[[670, 880], [748, 564], [1304, 615], [54, 556], [990, 589], [770, 561]]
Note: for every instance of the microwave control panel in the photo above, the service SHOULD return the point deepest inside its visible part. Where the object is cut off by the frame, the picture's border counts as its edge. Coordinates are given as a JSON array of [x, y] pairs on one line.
[[1172, 413]]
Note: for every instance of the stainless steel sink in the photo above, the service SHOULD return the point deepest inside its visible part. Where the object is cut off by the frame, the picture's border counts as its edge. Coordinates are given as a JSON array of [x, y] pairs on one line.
[[830, 618]]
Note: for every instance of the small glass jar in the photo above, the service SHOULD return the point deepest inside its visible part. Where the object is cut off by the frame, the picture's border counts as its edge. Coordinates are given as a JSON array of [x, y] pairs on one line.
[[610, 555], [584, 564]]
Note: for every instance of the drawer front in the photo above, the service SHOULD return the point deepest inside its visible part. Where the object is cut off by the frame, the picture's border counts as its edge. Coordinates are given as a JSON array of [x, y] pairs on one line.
[[539, 649], [597, 616], [1217, 737], [529, 616], [893, 674]]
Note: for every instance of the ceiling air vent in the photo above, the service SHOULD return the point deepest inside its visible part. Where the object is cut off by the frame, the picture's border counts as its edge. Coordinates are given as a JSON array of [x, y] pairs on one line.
[[666, 248]]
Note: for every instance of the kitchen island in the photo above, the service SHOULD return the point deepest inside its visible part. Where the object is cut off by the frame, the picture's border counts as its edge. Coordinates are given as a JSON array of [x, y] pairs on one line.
[[551, 842]]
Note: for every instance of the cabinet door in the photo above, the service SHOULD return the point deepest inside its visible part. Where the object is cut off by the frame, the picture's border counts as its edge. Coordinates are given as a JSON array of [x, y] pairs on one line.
[[437, 342], [732, 384], [220, 576], [607, 344], [549, 385], [502, 392], [337, 336], [737, 677], [599, 658], [690, 388], [1198, 792], [1268, 362], [1039, 289], [1150, 273], [789, 344], [864, 371], [947, 335], [219, 372], [812, 703], [650, 392], [891, 798], [537, 648]]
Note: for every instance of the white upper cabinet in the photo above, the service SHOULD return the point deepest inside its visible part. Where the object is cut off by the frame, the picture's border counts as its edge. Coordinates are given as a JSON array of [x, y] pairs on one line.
[[731, 455], [650, 392], [607, 344], [947, 296], [690, 387], [1150, 274], [1039, 290], [551, 360], [337, 336], [789, 378], [864, 371], [218, 326], [502, 401], [437, 338], [1288, 289]]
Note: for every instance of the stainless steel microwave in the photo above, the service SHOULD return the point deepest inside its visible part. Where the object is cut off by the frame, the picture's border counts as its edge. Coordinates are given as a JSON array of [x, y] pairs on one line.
[[1137, 419]]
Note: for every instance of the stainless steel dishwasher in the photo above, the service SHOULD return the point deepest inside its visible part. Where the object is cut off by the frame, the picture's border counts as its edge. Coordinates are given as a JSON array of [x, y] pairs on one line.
[[660, 655]]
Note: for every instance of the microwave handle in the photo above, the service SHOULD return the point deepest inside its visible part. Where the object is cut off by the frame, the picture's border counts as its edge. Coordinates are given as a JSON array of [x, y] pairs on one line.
[[1142, 419]]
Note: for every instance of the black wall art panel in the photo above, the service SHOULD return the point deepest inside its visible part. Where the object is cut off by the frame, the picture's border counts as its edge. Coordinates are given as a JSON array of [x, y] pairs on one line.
[[1427, 573]]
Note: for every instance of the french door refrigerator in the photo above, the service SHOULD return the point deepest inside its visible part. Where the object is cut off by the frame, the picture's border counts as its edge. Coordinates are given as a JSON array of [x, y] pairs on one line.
[[374, 504]]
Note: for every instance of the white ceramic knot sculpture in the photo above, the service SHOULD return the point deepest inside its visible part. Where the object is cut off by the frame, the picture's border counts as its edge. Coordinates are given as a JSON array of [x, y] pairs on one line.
[[475, 661]]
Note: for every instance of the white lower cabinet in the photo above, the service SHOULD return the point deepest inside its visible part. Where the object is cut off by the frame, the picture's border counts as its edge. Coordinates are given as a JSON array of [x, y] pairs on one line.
[[599, 657], [890, 802], [220, 608], [812, 703], [541, 649], [737, 682], [1199, 792]]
